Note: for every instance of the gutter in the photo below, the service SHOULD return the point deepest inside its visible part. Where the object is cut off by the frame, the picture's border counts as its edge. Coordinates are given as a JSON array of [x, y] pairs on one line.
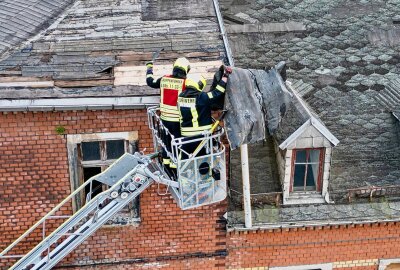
[[68, 104]]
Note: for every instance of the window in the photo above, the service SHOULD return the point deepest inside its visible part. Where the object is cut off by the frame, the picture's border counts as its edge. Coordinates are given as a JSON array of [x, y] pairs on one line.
[[89, 155], [389, 264], [307, 170]]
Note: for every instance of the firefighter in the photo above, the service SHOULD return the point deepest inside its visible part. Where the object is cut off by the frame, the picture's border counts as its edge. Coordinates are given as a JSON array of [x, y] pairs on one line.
[[195, 108], [170, 87]]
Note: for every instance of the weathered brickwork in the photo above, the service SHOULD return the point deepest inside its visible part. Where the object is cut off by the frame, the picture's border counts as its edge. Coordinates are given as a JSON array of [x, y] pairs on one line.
[[347, 247], [34, 178]]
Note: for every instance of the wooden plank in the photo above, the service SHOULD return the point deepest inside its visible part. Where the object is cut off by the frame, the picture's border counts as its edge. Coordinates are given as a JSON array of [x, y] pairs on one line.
[[23, 79], [168, 56], [136, 75], [83, 83], [40, 84]]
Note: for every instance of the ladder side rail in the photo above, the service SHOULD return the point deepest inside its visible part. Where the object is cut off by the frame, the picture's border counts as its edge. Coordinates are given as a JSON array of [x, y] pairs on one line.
[[151, 115], [71, 237], [51, 213], [43, 219], [55, 235], [101, 220], [81, 211]]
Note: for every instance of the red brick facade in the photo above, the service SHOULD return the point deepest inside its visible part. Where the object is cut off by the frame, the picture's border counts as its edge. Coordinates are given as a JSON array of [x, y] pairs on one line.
[[341, 245], [34, 177]]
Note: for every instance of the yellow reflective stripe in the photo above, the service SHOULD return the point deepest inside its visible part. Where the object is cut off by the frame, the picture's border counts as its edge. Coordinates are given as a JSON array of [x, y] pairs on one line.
[[166, 161], [190, 129], [169, 118], [150, 76], [172, 109], [210, 95], [191, 133], [220, 88], [195, 117], [170, 114], [167, 106], [172, 165]]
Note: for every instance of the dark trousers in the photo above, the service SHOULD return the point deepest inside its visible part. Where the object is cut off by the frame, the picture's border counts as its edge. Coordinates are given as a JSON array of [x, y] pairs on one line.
[[174, 129], [192, 146]]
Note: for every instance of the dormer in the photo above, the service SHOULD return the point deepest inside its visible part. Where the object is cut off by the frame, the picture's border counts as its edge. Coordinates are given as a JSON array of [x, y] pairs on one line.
[[304, 154]]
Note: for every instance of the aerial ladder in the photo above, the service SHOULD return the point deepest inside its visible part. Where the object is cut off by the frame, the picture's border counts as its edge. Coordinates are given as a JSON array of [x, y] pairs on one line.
[[200, 180]]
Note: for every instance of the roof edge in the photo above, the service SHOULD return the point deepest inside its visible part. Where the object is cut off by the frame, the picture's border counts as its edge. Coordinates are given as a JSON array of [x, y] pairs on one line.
[[77, 104], [289, 225]]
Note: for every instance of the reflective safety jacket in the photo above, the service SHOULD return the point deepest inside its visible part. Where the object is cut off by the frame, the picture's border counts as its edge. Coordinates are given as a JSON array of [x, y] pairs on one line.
[[195, 109], [170, 88]]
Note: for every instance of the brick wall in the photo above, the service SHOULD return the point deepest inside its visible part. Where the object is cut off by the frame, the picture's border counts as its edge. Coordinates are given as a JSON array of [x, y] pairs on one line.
[[347, 247], [34, 178]]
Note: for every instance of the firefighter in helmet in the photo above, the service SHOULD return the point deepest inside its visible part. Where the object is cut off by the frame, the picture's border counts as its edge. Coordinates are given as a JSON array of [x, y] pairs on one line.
[[170, 87], [195, 107]]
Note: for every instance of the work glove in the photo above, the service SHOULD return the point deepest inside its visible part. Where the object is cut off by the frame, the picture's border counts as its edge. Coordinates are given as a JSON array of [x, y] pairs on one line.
[[227, 71], [149, 64]]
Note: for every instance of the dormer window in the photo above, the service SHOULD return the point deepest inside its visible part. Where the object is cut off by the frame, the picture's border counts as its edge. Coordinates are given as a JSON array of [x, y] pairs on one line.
[[305, 158]]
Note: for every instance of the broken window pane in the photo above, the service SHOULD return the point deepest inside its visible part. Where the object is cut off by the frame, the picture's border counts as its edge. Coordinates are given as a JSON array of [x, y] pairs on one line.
[[96, 186], [90, 151], [115, 149]]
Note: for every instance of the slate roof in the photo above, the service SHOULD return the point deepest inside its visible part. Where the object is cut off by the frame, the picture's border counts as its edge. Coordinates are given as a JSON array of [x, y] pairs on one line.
[[94, 35], [21, 20], [346, 62]]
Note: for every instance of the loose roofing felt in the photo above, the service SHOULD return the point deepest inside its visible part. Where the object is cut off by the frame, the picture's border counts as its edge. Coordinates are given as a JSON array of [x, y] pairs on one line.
[[255, 99]]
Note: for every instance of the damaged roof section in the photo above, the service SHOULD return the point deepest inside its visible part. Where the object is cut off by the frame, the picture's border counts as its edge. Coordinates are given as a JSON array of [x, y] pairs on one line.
[[94, 40], [20, 20]]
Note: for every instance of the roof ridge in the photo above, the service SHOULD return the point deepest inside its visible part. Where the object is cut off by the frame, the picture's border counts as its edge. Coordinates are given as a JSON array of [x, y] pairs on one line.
[[28, 29]]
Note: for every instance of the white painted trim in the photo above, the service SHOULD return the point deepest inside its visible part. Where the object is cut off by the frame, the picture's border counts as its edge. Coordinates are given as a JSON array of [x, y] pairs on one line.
[[63, 104], [244, 157], [324, 266], [383, 263], [324, 131], [295, 135], [307, 199], [102, 136], [396, 115], [310, 122]]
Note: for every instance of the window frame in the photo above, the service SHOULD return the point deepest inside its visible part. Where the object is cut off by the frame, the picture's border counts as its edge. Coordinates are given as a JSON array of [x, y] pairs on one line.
[[103, 163], [76, 170], [321, 162], [384, 263]]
